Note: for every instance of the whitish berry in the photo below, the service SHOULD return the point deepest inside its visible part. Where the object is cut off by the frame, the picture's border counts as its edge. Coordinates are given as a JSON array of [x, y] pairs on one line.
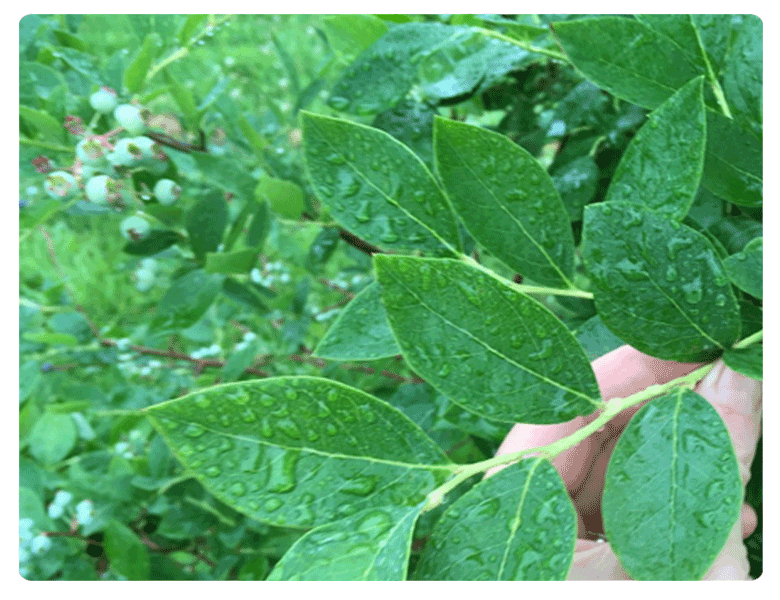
[[55, 510], [89, 151], [104, 100], [148, 146], [144, 280], [166, 191], [62, 498], [130, 118], [101, 189], [148, 264], [84, 512], [40, 544], [127, 153], [60, 185], [25, 529], [135, 228]]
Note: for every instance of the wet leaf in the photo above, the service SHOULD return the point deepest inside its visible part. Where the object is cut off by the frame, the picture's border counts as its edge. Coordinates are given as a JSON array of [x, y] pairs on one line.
[[372, 545], [746, 268], [375, 186], [662, 166], [659, 285], [748, 361], [361, 331], [518, 525], [206, 222], [125, 552], [300, 451], [672, 490], [743, 82], [489, 348], [506, 200]]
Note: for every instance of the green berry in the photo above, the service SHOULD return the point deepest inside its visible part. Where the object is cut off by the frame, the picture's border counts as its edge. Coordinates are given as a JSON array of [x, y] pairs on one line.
[[130, 118], [101, 189], [104, 100], [127, 153], [148, 264], [60, 185], [149, 148], [166, 191], [135, 228], [89, 151], [144, 280]]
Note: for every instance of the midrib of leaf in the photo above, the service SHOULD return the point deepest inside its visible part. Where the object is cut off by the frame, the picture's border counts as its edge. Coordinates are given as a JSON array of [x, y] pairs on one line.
[[673, 490], [390, 200], [511, 216], [516, 521], [382, 545], [683, 313], [444, 467], [497, 353]]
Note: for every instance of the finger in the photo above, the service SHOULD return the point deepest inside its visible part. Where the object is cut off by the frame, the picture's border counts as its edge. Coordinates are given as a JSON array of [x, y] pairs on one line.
[[732, 562], [749, 520], [595, 561]]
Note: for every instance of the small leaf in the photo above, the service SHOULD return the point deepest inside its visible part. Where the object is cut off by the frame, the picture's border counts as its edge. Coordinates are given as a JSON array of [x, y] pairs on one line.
[[360, 331], [375, 186], [506, 200], [184, 99], [596, 339], [746, 268], [125, 552], [300, 451], [674, 478], [350, 34], [372, 545], [52, 437], [238, 261], [46, 125], [284, 197], [748, 361], [157, 241], [188, 298], [576, 182], [659, 285], [743, 70], [225, 173], [662, 166], [242, 293], [190, 26], [206, 222], [518, 525], [491, 349], [135, 73]]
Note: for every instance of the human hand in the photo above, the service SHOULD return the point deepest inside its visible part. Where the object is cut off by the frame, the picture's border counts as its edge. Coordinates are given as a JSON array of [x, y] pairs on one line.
[[621, 373]]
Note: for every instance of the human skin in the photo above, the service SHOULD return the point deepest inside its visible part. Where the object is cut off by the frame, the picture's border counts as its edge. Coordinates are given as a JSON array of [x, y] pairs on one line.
[[621, 373]]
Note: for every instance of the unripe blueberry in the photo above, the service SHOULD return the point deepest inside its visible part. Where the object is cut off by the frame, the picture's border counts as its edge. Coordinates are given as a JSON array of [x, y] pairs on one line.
[[46, 367], [144, 280], [84, 510], [40, 544], [135, 228], [130, 118], [55, 510], [89, 151], [148, 264], [166, 191], [104, 100], [127, 153], [90, 171], [62, 498], [60, 185], [149, 148], [25, 528], [101, 189]]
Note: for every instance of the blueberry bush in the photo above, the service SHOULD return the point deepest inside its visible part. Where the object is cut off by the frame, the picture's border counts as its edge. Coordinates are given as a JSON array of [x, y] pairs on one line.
[[286, 282]]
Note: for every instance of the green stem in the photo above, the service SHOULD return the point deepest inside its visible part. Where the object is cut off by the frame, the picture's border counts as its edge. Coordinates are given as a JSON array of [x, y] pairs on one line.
[[521, 44], [45, 145], [756, 337], [612, 408], [714, 83]]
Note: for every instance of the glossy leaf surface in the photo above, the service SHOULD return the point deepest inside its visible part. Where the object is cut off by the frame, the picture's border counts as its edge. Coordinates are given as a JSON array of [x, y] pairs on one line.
[[372, 545], [626, 58], [662, 166], [206, 222], [375, 186], [743, 81], [487, 347], [746, 268], [672, 490], [518, 524], [125, 552], [300, 451], [659, 285], [506, 200], [361, 331], [748, 361]]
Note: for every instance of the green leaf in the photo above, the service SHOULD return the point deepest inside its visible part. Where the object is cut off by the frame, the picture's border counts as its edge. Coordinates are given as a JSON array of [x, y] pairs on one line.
[[576, 182], [360, 331], [662, 166], [206, 222], [506, 200], [135, 73], [300, 451], [743, 83], [45, 337], [260, 226], [411, 123], [375, 186], [350, 34], [284, 197], [238, 261], [190, 26], [733, 165], [748, 361], [489, 348], [321, 249], [52, 437], [125, 552], [244, 294], [518, 525], [188, 298], [746, 268], [288, 63], [626, 58], [659, 285], [71, 41], [680, 32], [225, 173], [372, 545], [184, 99], [672, 490], [596, 339], [47, 126], [157, 241], [734, 232]]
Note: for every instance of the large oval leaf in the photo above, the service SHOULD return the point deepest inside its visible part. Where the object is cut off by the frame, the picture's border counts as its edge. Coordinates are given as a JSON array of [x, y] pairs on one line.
[[518, 524], [746, 268], [372, 545], [300, 451], [672, 490], [361, 331], [662, 166], [659, 285], [375, 186], [489, 348], [506, 200]]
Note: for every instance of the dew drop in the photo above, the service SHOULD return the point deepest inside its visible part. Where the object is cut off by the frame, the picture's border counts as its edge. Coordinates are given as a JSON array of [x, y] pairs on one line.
[[335, 159], [194, 430], [272, 504], [671, 273], [202, 401], [237, 489], [248, 416], [213, 471]]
